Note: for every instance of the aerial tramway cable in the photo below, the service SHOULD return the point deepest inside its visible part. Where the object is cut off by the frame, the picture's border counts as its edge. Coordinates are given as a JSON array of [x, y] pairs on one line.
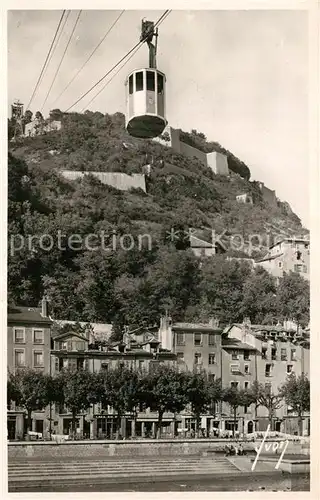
[[46, 60], [163, 17], [115, 66], [62, 58], [92, 53]]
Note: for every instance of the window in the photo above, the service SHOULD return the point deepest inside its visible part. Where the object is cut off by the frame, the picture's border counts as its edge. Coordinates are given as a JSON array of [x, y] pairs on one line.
[[235, 368], [19, 358], [234, 385], [211, 359], [19, 335], [104, 366], [268, 387], [38, 359], [212, 339], [180, 356], [235, 355], [264, 353], [246, 385], [160, 84], [131, 84], [211, 377], [268, 370], [80, 364], [197, 339], [180, 338], [298, 268], [273, 354], [64, 346], [38, 337], [245, 409], [289, 368], [298, 255], [246, 355], [139, 81], [150, 80], [197, 358], [80, 345], [283, 354], [293, 355], [246, 369], [141, 364], [280, 264]]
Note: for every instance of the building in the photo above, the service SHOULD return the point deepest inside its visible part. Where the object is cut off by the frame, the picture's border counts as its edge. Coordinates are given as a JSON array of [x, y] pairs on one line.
[[278, 351], [28, 334], [197, 347], [72, 349], [268, 195], [289, 254], [244, 198], [239, 355], [203, 248], [239, 370], [217, 162]]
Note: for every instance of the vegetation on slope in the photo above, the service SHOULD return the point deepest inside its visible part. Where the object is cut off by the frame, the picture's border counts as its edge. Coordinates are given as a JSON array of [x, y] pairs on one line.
[[137, 285]]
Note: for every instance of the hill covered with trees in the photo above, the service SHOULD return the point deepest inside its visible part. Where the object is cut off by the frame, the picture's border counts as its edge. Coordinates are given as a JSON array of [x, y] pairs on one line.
[[133, 286]]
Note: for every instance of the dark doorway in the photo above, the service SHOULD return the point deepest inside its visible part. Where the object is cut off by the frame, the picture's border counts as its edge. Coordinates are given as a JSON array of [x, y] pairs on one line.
[[277, 427], [250, 427], [11, 428], [39, 426]]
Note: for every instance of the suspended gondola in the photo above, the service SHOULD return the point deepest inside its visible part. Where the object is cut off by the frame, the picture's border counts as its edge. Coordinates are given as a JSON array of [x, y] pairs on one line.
[[145, 92]]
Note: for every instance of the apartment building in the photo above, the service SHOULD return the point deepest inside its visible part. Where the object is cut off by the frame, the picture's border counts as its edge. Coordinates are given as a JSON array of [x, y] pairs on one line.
[[28, 346], [279, 350], [290, 254]]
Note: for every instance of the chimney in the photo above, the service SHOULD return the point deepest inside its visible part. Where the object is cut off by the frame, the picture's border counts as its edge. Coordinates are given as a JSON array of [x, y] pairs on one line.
[[44, 307], [214, 322]]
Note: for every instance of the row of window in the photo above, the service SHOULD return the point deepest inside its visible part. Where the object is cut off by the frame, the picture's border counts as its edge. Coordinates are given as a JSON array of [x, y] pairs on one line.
[[197, 339], [235, 355], [268, 369], [300, 268], [71, 345], [20, 358], [149, 83], [19, 335], [283, 354], [197, 358]]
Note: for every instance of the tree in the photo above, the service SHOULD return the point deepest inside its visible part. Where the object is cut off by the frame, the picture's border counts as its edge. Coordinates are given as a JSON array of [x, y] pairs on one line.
[[31, 390], [259, 299], [28, 116], [296, 393], [125, 392], [294, 298], [164, 390], [77, 390], [198, 396], [236, 397], [263, 396]]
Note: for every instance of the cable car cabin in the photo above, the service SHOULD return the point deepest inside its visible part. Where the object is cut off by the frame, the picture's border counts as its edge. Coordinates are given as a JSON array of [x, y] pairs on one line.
[[145, 89]]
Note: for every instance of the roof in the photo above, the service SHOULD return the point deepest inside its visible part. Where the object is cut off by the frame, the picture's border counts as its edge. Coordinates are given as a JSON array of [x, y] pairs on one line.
[[205, 327], [17, 314], [198, 243], [263, 328], [231, 343], [100, 331], [269, 257], [67, 334], [298, 240]]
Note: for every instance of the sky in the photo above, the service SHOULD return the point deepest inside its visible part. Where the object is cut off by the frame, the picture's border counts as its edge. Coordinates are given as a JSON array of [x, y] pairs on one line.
[[240, 77]]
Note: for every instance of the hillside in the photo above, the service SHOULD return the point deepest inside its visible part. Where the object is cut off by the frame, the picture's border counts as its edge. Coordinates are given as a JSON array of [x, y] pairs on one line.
[[136, 285]]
